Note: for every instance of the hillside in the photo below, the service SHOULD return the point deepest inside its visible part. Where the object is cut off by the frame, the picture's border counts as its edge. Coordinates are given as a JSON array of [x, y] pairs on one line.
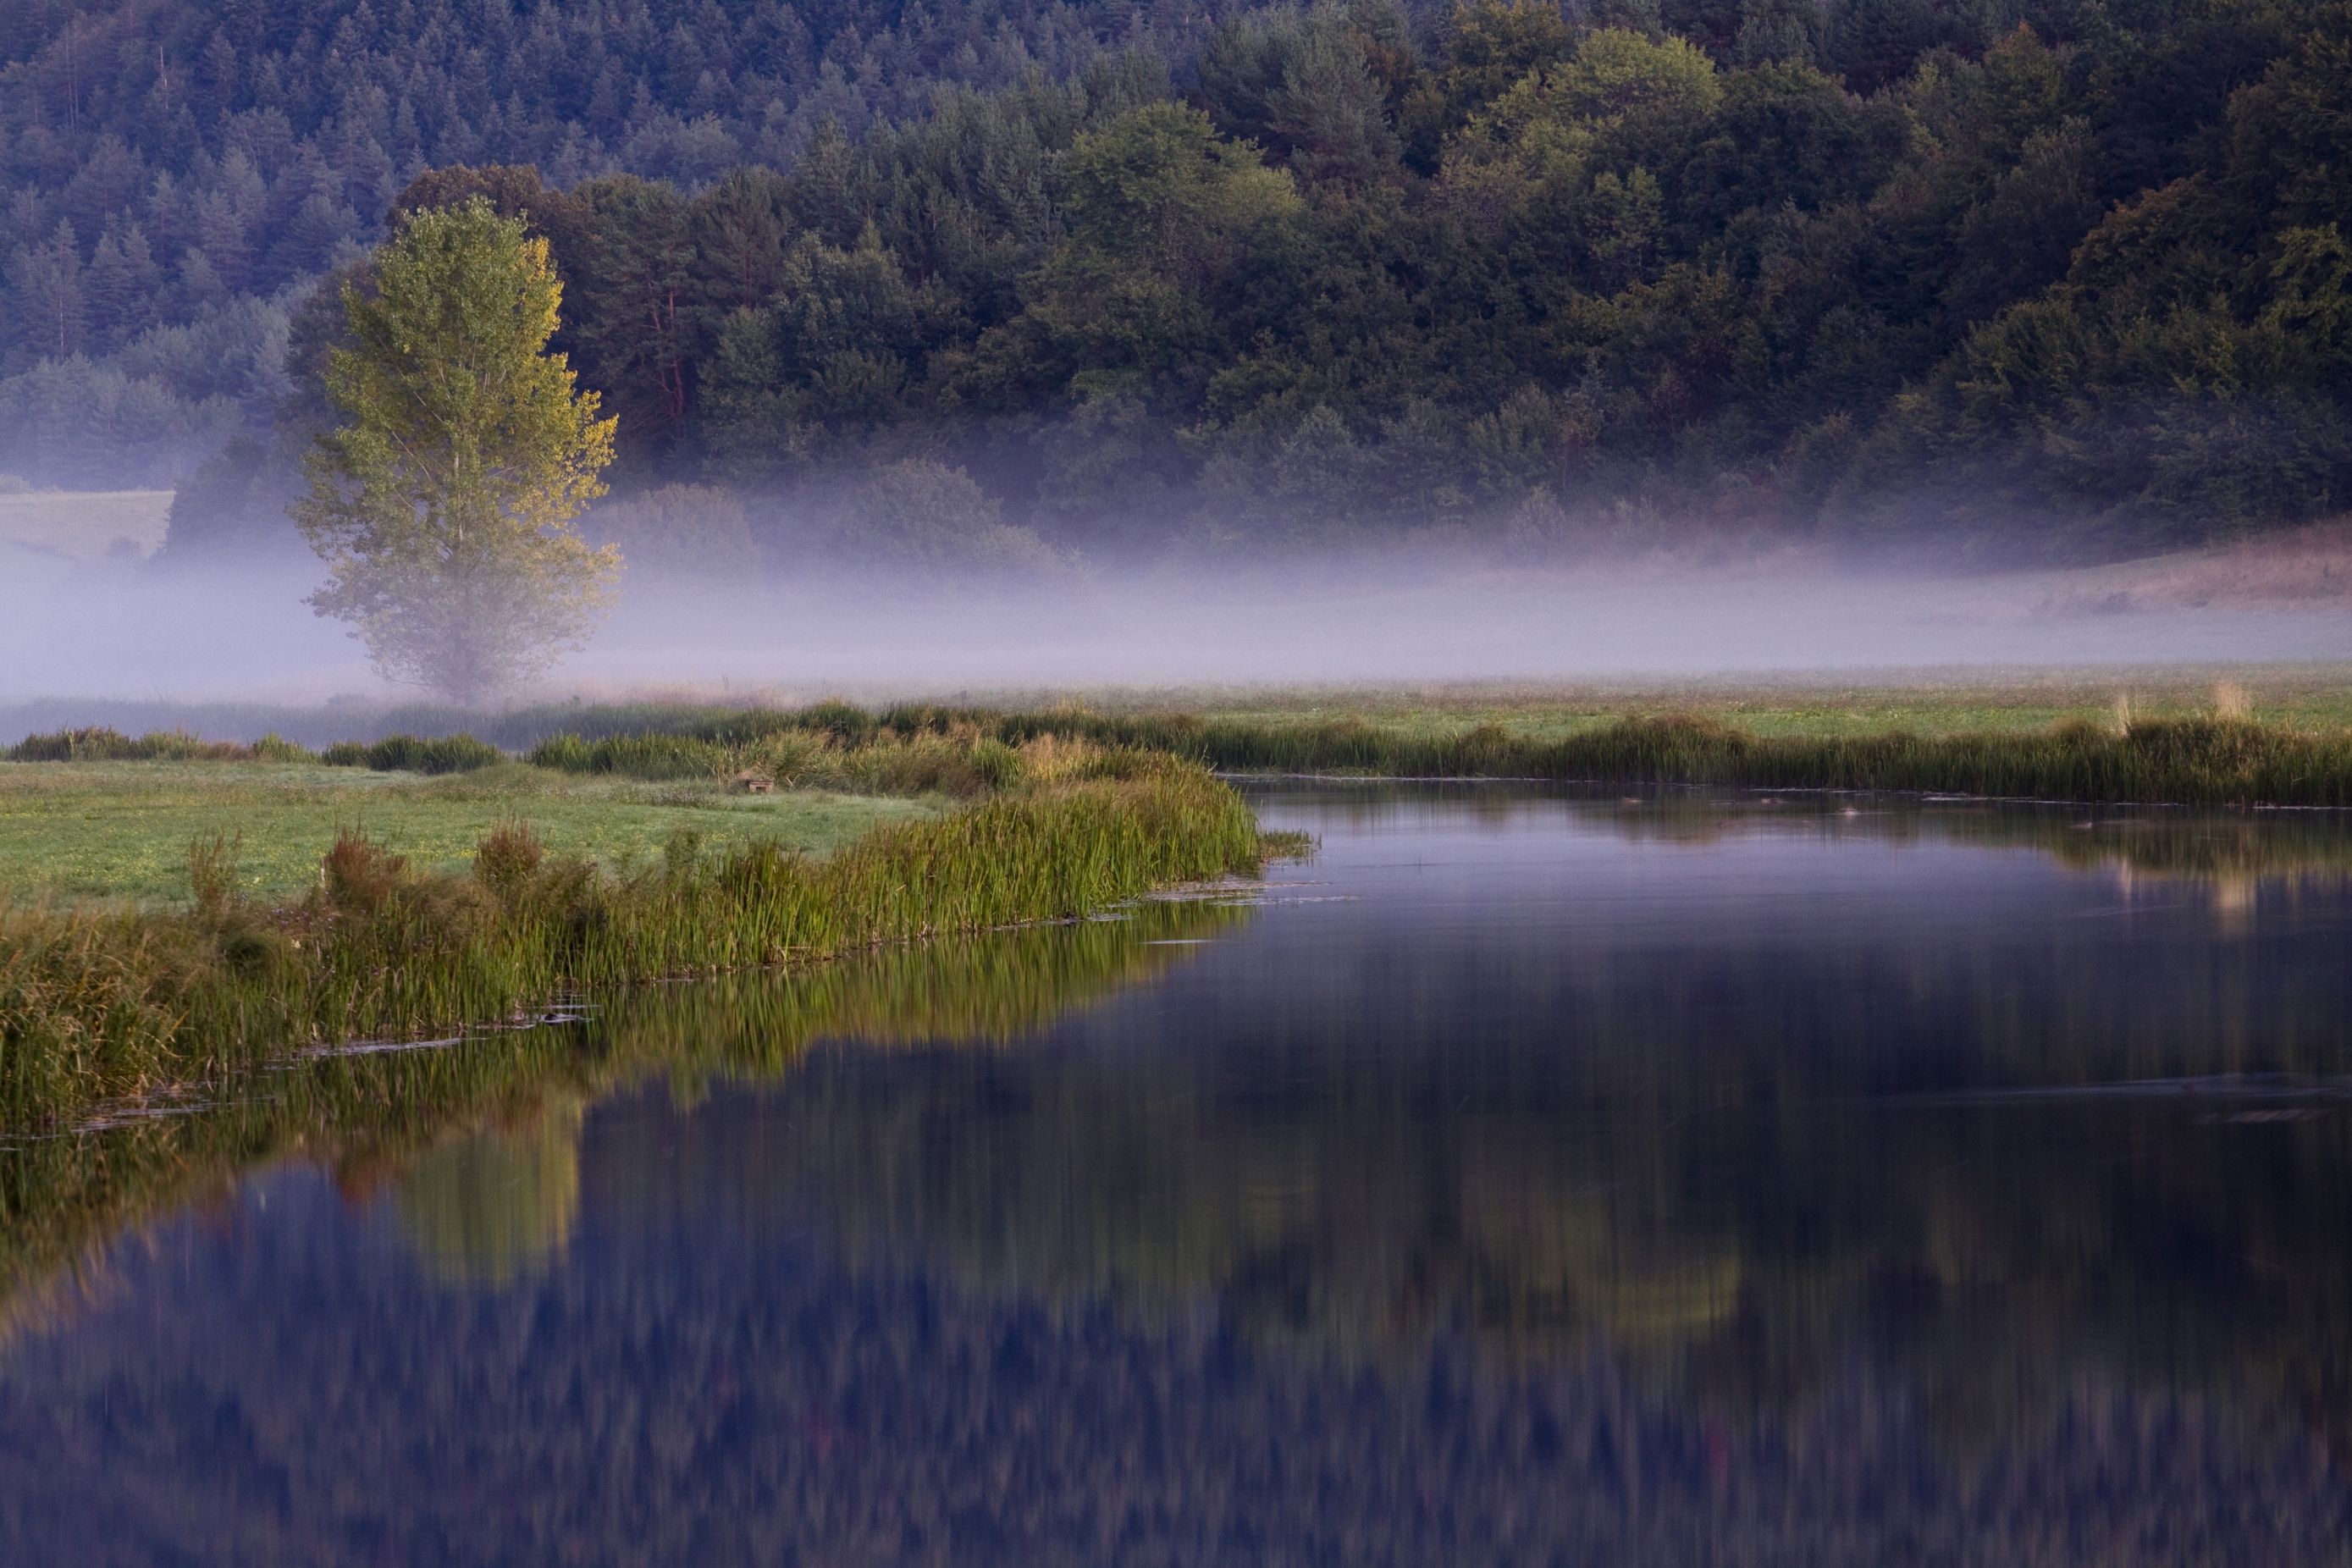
[[2056, 279]]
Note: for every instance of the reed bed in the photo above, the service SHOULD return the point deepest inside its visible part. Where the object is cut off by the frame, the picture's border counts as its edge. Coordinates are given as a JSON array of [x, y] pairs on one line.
[[96, 1004], [2201, 760], [458, 753], [103, 743], [963, 761], [371, 1115], [403, 753], [2221, 758]]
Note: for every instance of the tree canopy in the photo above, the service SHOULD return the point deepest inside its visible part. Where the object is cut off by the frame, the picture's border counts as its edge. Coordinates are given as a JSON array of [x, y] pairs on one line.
[[442, 503], [2053, 277]]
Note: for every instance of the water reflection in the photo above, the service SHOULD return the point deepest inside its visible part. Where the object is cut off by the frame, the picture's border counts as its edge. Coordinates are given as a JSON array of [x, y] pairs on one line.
[[1534, 1179], [477, 1141], [490, 1207]]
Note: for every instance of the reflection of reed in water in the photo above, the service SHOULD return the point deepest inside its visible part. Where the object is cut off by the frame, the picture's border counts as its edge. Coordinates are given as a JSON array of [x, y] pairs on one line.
[[2236, 857], [451, 1132], [2243, 849]]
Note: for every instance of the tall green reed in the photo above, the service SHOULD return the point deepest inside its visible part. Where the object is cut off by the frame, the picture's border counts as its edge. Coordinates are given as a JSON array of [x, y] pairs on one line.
[[97, 1003], [371, 1114], [2223, 758]]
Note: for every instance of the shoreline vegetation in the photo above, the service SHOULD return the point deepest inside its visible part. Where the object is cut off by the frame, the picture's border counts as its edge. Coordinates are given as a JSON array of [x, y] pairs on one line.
[[1072, 811], [99, 1005], [371, 1116], [2215, 748]]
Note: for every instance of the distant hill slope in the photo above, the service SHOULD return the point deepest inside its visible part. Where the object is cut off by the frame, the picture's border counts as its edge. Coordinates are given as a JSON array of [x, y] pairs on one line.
[[85, 525], [2051, 279], [2301, 569]]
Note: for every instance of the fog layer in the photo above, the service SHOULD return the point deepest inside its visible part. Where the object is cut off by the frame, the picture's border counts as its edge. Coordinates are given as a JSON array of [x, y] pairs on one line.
[[128, 631]]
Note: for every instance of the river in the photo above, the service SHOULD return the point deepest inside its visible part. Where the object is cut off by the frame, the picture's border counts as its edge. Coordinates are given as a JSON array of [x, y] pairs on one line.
[[1532, 1176]]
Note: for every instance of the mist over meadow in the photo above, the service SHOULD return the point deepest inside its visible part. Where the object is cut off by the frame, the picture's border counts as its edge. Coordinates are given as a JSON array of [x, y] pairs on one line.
[[1021, 344], [123, 633]]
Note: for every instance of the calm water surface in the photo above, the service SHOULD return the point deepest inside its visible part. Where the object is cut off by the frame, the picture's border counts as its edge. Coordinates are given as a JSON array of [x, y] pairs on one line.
[[1528, 1179]]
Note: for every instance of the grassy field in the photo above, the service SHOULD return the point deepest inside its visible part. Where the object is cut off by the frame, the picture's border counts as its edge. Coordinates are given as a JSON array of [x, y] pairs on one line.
[[2303, 697], [121, 830], [108, 998], [1925, 702]]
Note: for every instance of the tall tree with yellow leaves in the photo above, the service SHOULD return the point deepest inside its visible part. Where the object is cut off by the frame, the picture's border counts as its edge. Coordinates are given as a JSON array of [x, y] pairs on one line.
[[443, 503]]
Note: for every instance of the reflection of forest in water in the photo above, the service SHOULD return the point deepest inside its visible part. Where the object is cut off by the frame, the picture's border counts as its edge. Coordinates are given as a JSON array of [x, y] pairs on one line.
[[1562, 1204]]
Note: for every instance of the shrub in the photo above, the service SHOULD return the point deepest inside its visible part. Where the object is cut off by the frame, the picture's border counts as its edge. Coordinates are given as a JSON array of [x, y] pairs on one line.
[[103, 743], [411, 753], [358, 874], [507, 856]]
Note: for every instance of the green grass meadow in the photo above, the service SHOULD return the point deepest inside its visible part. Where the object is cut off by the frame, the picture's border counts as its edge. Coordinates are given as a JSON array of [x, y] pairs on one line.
[[1815, 707], [120, 830]]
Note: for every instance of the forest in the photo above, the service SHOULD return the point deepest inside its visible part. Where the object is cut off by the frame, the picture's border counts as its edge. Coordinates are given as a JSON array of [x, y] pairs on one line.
[[1020, 283]]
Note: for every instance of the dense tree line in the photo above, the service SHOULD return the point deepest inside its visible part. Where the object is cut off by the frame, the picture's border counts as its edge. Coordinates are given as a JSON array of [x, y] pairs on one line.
[[2061, 275], [178, 175]]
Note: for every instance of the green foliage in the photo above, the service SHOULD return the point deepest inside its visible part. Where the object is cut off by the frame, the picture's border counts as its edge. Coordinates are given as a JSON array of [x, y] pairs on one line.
[[95, 1005], [694, 531], [2193, 761], [408, 753], [833, 746], [920, 515], [2219, 758], [2185, 377], [443, 504], [2030, 277], [105, 744]]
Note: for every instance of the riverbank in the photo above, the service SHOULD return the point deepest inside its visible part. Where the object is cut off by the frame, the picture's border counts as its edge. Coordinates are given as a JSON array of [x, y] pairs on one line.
[[100, 1002], [1921, 700], [372, 1116], [2215, 758], [2220, 753]]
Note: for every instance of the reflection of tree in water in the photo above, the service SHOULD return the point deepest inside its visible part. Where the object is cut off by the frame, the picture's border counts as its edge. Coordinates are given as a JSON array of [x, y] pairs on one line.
[[1596, 1159], [473, 1141], [1745, 1254], [1599, 1280], [497, 1202], [706, 1392]]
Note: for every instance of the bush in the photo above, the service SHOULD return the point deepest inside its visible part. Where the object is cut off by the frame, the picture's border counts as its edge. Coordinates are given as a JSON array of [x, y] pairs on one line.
[[414, 754], [103, 743], [507, 856], [680, 531], [922, 515]]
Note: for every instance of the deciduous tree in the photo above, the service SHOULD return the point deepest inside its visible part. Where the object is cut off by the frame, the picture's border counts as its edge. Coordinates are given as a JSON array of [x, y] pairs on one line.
[[443, 503]]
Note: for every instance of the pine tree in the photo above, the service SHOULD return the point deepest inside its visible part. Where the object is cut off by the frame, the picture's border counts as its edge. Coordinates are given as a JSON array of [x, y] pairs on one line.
[[45, 283]]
